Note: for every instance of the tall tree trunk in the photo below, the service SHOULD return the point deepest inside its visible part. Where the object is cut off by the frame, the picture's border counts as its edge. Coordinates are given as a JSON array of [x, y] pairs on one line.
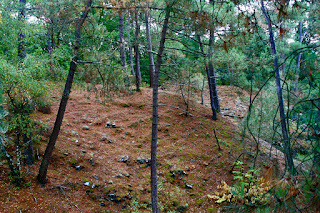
[[151, 62], [49, 46], [122, 49], [212, 104], [155, 117], [136, 53], [42, 176], [121, 35], [283, 55], [21, 39], [287, 146], [130, 46], [213, 86], [299, 57]]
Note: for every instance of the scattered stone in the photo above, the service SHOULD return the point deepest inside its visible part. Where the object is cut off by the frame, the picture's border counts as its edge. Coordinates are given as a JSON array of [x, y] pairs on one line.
[[86, 183], [189, 186], [102, 204], [85, 127], [178, 174], [95, 177], [74, 133], [113, 125], [93, 185], [126, 174], [105, 138], [110, 182], [124, 159], [84, 151], [114, 198], [108, 124], [66, 153], [141, 160], [118, 176], [78, 167], [91, 162]]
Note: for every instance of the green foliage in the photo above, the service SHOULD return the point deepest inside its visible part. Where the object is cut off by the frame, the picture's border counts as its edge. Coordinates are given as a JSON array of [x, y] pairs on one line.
[[248, 191]]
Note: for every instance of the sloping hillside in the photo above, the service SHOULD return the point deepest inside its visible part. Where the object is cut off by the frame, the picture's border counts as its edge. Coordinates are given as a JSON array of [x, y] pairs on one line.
[[106, 169]]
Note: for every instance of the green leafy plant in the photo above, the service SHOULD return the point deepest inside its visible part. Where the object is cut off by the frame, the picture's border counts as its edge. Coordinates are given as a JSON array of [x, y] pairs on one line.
[[248, 191]]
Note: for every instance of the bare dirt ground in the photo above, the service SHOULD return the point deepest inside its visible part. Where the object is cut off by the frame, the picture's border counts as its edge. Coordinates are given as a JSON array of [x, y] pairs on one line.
[[104, 169]]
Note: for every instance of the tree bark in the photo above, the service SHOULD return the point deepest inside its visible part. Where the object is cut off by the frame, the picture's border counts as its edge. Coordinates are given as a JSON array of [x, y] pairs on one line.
[[122, 49], [211, 94], [286, 141], [299, 57], [130, 47], [121, 35], [22, 36], [151, 61], [155, 117], [137, 53], [42, 176]]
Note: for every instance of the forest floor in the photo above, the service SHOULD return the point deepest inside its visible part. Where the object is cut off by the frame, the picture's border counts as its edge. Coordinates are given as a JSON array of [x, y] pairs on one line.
[[95, 168]]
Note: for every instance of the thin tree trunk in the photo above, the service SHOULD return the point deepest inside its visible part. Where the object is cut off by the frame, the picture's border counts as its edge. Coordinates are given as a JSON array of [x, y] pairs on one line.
[[122, 49], [49, 47], [137, 52], [121, 35], [283, 55], [287, 147], [28, 150], [212, 72], [299, 57], [42, 176], [22, 36], [151, 61], [154, 188], [130, 47], [213, 108]]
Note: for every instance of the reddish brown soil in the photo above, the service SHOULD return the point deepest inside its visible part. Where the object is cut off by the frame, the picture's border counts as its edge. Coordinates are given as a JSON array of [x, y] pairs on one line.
[[186, 144]]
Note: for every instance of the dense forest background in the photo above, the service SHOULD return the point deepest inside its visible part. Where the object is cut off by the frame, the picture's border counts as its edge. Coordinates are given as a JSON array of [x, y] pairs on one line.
[[267, 49]]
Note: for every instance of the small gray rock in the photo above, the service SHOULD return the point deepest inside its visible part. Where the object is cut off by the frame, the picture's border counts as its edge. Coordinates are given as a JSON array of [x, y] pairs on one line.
[[124, 159], [78, 167], [108, 124], [189, 186], [86, 183], [85, 127], [74, 133]]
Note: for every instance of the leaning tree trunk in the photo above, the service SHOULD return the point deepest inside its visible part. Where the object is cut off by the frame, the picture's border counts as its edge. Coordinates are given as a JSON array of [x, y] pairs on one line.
[[155, 117], [42, 176], [136, 53], [287, 146], [151, 61]]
